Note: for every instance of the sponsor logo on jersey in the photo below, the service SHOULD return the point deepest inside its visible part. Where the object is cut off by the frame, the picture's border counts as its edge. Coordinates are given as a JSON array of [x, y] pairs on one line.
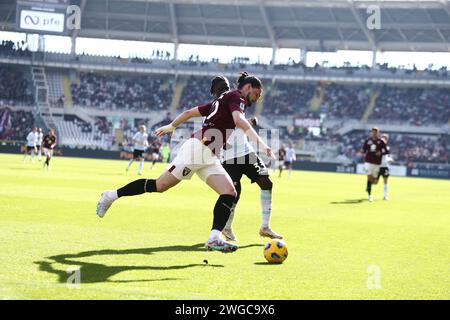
[[242, 106]]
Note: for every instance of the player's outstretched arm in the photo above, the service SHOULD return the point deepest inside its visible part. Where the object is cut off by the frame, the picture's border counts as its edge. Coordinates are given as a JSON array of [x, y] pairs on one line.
[[244, 125], [181, 118]]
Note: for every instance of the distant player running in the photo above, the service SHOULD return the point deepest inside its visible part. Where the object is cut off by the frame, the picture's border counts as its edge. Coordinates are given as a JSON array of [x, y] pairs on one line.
[[199, 154], [48, 145], [31, 145], [281, 159], [155, 149], [386, 160], [239, 158], [140, 144], [290, 158], [39, 138], [373, 150]]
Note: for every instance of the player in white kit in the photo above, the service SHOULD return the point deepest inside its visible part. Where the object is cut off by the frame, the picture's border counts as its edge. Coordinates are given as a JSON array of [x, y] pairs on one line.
[[31, 145], [140, 140], [290, 158], [386, 160], [39, 137]]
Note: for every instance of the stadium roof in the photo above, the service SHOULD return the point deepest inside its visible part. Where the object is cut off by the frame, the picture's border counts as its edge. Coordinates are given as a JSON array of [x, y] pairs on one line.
[[316, 25]]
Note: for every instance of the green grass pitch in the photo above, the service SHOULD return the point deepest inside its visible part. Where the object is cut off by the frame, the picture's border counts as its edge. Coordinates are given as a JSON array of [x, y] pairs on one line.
[[151, 246]]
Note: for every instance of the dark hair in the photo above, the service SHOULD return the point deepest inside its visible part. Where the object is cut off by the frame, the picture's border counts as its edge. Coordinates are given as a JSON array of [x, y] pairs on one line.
[[219, 85], [246, 78]]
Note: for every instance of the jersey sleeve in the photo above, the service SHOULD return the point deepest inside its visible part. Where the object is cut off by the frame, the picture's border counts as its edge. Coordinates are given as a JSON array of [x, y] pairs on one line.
[[205, 109]]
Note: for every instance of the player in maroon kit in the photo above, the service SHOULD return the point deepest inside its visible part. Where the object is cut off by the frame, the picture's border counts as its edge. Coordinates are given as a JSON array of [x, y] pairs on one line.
[[281, 159], [373, 150], [199, 154], [48, 145]]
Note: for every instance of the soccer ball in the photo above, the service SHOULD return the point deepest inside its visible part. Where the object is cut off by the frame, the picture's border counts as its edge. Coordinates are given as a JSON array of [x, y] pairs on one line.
[[275, 251]]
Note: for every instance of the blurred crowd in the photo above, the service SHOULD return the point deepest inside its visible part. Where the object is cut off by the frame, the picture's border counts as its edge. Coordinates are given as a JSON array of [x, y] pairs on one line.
[[195, 92], [289, 98], [18, 49], [115, 92], [416, 106], [14, 87], [15, 125]]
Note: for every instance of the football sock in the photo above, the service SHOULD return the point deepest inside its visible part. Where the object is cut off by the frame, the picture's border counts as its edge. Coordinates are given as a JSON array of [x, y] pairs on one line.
[[222, 211], [141, 164], [215, 234], [154, 161], [266, 207], [230, 219], [129, 163], [136, 187], [369, 187], [385, 190]]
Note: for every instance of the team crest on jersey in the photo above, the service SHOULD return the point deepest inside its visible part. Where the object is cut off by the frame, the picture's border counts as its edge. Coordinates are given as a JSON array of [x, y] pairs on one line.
[[186, 171], [242, 106]]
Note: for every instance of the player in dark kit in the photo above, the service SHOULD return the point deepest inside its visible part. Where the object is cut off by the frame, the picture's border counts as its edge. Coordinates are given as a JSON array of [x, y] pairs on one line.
[[281, 159], [239, 158], [373, 150], [199, 154], [48, 145], [155, 153]]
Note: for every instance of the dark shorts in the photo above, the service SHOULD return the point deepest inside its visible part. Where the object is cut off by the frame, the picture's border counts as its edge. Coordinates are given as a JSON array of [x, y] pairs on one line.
[[30, 149], [138, 154], [384, 172], [251, 165], [38, 147], [287, 163]]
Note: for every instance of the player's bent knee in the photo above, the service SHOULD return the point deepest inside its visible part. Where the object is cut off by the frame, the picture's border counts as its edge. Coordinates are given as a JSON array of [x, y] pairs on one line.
[[265, 183]]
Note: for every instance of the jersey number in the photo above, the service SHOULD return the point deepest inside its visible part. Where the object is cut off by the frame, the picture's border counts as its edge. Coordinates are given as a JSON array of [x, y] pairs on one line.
[[216, 107]]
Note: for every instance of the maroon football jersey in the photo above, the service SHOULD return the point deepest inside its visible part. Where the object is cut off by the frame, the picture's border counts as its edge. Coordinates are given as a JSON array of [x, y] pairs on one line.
[[374, 150], [219, 123], [48, 141], [281, 154]]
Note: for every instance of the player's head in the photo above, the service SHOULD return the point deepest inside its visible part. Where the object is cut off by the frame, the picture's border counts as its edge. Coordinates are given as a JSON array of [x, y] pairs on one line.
[[219, 85], [250, 86], [142, 128], [374, 132], [39, 130], [385, 137], [51, 132], [34, 129]]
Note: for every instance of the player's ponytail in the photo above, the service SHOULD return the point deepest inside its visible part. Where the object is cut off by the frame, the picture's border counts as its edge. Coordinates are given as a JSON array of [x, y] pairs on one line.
[[246, 78]]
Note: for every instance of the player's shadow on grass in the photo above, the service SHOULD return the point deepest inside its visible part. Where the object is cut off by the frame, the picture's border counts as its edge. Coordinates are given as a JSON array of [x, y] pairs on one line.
[[349, 201], [96, 272]]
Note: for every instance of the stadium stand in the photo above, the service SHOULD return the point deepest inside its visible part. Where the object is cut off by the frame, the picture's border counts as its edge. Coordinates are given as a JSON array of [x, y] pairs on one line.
[[15, 125], [417, 106], [114, 92], [14, 87], [289, 98]]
